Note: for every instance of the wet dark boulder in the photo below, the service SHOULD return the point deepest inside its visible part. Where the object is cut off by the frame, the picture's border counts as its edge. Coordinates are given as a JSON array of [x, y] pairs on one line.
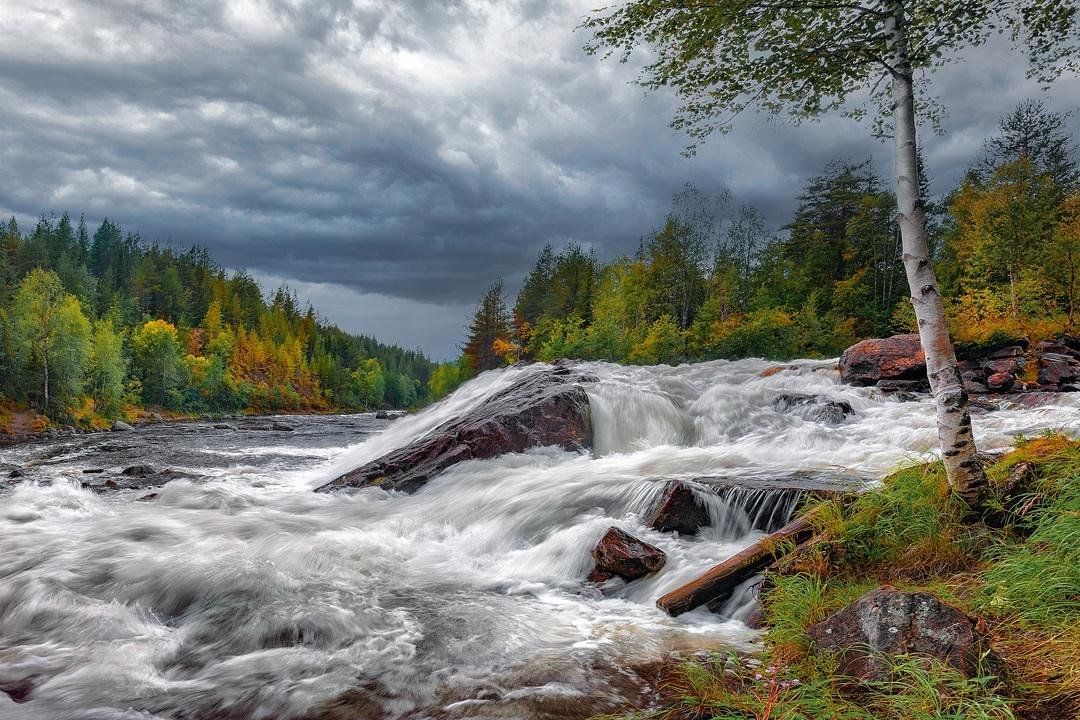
[[620, 554], [679, 510], [903, 390], [382, 415], [136, 477], [889, 622], [1058, 347], [548, 407], [816, 408], [1057, 369], [899, 357]]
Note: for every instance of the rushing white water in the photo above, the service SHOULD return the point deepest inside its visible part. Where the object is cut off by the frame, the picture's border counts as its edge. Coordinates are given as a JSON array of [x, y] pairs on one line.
[[246, 595]]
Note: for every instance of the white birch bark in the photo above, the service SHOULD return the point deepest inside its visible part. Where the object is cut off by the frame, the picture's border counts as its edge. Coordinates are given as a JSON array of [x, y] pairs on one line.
[[965, 472]]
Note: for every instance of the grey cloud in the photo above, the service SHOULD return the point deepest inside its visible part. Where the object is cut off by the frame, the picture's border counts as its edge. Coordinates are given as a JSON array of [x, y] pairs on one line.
[[409, 151]]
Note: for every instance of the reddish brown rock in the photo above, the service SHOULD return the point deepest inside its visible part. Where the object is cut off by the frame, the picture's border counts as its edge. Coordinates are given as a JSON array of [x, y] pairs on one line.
[[679, 510], [899, 357], [888, 622], [1011, 365], [619, 554], [548, 407], [1055, 369], [1058, 347], [1008, 352], [1001, 382]]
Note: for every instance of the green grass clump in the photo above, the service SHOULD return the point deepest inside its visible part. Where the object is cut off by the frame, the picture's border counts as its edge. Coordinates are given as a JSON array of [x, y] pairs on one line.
[[795, 602], [733, 688], [1038, 578], [911, 525]]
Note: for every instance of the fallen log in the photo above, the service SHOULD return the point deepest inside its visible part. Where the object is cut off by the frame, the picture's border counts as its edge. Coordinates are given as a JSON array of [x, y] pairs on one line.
[[721, 580]]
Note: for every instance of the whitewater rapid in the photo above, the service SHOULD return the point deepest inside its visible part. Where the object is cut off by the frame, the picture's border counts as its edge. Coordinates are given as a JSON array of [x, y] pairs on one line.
[[243, 594]]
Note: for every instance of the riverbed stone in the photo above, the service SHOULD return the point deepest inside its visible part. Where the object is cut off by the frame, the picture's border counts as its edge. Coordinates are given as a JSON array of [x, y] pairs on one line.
[[547, 407], [1001, 382], [832, 412], [679, 510], [121, 426], [620, 554], [889, 622], [899, 357]]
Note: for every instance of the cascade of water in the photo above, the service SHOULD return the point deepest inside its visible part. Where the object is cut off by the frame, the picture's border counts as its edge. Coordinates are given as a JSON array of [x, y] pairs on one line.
[[247, 595]]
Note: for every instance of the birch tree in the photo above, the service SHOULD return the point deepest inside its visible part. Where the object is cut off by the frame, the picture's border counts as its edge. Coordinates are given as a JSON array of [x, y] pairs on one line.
[[51, 332], [803, 59]]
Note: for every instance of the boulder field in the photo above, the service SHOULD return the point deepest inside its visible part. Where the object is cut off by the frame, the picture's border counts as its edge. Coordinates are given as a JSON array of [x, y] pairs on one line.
[[897, 363]]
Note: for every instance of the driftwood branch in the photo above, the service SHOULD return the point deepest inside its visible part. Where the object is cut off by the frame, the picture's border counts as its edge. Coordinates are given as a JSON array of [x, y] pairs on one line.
[[720, 580]]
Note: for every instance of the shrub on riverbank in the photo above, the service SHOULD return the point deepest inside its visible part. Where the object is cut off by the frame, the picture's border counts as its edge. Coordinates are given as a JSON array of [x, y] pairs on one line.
[[1018, 572]]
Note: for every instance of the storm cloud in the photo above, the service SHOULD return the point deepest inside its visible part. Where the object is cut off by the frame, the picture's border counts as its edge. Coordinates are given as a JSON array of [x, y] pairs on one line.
[[389, 159]]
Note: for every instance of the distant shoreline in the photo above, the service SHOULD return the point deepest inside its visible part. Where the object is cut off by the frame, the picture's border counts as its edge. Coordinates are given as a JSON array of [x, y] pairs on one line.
[[10, 439]]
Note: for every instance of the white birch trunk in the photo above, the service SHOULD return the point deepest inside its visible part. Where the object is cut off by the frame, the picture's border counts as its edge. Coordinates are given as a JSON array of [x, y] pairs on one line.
[[965, 472]]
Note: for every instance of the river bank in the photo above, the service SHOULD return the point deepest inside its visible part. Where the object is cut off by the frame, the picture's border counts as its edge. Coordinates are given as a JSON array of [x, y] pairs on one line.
[[20, 424], [905, 609]]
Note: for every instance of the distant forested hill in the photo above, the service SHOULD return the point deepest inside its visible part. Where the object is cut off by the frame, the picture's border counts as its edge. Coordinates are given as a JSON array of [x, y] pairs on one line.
[[96, 323]]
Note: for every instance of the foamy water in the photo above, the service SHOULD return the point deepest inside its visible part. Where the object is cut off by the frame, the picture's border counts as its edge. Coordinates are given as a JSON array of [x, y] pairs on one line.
[[244, 594]]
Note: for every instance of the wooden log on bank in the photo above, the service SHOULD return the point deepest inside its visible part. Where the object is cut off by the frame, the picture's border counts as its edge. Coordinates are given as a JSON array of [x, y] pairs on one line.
[[722, 579]]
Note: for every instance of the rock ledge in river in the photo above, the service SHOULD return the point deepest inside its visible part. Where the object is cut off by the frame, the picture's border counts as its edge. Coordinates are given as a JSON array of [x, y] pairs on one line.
[[679, 510], [547, 407]]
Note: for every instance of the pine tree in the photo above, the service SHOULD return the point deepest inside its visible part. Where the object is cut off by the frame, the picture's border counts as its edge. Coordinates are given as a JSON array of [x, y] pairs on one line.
[[491, 322]]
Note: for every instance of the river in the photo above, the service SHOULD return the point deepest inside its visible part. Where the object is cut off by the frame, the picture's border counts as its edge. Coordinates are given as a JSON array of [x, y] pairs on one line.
[[239, 593]]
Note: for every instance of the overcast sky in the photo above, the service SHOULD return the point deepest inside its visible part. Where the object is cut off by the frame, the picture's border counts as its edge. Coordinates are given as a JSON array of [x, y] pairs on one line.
[[389, 159]]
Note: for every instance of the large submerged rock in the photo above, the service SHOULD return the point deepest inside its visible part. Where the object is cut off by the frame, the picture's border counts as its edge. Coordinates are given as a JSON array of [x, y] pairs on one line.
[[889, 622], [549, 407]]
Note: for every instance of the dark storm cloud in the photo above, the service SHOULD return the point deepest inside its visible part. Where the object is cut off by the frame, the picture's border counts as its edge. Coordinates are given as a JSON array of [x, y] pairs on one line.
[[390, 152]]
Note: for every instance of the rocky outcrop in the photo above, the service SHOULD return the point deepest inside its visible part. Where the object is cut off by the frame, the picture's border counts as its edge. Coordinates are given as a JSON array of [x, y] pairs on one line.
[[120, 426], [899, 357], [620, 554], [888, 622], [548, 407], [897, 365], [679, 510]]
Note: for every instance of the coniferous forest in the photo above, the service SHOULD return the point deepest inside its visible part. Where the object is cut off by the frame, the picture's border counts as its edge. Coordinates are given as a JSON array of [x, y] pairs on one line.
[[715, 282], [97, 324]]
